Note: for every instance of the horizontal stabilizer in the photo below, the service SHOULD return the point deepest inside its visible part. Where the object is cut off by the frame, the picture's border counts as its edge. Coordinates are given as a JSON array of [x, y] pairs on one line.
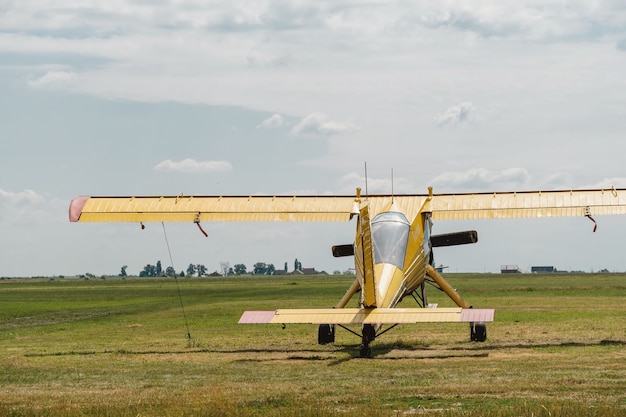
[[367, 316], [452, 239]]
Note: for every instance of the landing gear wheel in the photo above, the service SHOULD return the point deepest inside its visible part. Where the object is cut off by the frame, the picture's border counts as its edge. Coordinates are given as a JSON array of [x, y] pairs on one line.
[[326, 334], [478, 332], [369, 334], [366, 352]]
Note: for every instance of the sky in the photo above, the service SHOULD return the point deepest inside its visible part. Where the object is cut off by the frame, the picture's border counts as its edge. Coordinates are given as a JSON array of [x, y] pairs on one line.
[[294, 97]]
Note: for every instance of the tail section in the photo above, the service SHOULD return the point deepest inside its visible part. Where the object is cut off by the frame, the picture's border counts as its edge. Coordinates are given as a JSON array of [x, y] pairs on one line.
[[372, 316]]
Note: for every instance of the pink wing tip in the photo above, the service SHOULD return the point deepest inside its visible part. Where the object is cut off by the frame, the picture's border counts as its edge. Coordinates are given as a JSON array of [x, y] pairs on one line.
[[257, 317], [477, 315], [76, 207]]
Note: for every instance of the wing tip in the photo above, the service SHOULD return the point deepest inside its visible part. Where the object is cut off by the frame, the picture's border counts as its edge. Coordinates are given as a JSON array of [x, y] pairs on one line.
[[76, 208], [257, 317], [477, 315]]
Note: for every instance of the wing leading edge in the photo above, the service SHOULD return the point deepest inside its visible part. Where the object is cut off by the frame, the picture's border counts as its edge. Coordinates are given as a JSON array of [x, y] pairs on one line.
[[367, 316]]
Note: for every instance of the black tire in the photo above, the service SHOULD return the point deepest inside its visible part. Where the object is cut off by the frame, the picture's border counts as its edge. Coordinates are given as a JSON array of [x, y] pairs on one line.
[[366, 352], [325, 334], [369, 333], [478, 332]]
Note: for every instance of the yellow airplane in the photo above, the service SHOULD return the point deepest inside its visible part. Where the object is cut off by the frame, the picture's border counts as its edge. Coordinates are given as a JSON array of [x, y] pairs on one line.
[[392, 248]]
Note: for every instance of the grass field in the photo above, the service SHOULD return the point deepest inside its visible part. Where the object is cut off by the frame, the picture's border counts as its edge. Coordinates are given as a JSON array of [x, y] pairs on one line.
[[119, 347]]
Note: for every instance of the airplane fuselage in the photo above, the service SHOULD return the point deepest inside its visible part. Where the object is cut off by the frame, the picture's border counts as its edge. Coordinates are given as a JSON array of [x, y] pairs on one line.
[[391, 255]]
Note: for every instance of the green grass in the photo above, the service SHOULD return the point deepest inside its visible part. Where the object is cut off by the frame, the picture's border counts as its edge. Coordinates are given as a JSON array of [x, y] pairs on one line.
[[119, 347]]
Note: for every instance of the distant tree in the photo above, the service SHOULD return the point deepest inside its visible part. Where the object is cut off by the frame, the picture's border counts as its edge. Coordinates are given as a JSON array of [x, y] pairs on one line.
[[123, 271], [170, 271], [231, 271], [285, 266], [260, 268], [224, 266], [270, 269], [148, 271], [201, 270], [191, 270], [239, 269], [297, 265], [159, 269]]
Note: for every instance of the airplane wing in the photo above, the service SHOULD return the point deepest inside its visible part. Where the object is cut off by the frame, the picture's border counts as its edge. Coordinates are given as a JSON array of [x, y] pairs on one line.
[[341, 208], [212, 208], [528, 204], [367, 316], [503, 205]]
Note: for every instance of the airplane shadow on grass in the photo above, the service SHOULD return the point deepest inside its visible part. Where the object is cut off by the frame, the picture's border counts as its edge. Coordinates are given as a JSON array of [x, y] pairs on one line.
[[382, 351]]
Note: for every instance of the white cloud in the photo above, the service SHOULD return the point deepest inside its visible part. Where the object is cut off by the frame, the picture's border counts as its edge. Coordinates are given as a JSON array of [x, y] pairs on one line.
[[54, 80], [26, 196], [399, 185], [458, 114], [528, 21], [194, 167], [319, 124], [481, 179], [608, 183], [26, 207], [275, 121]]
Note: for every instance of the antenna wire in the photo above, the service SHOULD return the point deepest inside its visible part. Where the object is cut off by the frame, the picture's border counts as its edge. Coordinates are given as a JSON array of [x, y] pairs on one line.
[[180, 297]]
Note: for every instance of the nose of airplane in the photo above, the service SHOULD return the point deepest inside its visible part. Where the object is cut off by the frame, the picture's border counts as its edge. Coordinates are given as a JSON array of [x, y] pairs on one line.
[[389, 281]]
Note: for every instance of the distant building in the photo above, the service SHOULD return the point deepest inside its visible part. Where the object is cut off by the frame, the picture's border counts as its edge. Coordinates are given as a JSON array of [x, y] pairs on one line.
[[308, 271], [510, 269], [542, 269]]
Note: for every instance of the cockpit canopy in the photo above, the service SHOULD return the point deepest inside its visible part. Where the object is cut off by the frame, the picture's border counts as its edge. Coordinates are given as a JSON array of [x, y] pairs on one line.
[[390, 234]]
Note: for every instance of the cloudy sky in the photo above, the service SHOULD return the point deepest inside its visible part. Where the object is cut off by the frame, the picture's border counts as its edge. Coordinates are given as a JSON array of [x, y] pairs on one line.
[[226, 97]]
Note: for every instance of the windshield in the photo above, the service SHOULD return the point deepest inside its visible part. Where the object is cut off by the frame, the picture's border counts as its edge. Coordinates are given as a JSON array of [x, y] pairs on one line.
[[390, 232]]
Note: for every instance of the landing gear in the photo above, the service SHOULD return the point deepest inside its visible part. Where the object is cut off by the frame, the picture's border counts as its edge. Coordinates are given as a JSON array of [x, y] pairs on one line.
[[366, 352], [478, 332], [326, 334], [369, 334]]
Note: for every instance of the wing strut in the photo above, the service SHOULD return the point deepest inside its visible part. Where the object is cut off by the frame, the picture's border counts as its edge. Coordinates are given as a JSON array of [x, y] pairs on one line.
[[588, 215], [197, 222]]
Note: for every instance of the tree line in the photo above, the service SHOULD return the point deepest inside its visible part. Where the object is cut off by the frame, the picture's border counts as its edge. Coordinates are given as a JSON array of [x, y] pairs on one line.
[[259, 268]]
